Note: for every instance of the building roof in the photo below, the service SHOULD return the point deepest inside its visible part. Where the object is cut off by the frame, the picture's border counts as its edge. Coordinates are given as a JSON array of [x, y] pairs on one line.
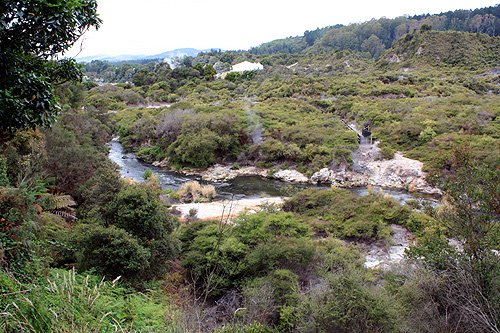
[[246, 66]]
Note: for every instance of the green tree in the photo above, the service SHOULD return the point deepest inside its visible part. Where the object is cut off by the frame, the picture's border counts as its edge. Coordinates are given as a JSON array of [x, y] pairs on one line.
[[233, 76], [32, 34], [199, 67], [425, 27], [374, 46], [139, 211], [209, 72]]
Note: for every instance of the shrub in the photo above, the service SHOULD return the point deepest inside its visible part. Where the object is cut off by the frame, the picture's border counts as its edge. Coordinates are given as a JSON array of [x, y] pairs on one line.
[[214, 257], [139, 211], [347, 304], [4, 180], [233, 76], [109, 251], [418, 291], [345, 215], [262, 226], [387, 152], [148, 173], [286, 253], [194, 149], [18, 232]]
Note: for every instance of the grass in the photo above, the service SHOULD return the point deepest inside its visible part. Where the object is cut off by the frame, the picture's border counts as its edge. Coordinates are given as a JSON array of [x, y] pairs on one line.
[[192, 191]]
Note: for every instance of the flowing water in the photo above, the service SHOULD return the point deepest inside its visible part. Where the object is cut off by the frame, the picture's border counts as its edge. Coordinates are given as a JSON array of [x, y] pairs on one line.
[[246, 187], [243, 187]]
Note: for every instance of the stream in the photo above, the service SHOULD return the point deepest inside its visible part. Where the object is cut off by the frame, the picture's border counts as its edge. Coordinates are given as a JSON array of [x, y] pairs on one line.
[[249, 191], [243, 187]]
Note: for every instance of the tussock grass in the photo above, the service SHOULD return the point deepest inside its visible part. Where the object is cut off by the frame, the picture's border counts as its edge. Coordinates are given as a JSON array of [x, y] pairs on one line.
[[67, 306], [192, 191]]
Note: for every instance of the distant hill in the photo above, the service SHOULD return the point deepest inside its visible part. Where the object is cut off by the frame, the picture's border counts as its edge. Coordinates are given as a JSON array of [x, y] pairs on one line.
[[443, 49], [185, 52], [371, 38]]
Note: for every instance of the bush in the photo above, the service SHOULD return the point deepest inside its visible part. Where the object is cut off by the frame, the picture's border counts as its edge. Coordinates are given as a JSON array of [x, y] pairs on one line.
[[342, 214], [347, 304], [18, 232], [387, 153], [214, 257], [148, 173], [109, 251], [233, 76], [287, 253], [139, 211], [194, 149]]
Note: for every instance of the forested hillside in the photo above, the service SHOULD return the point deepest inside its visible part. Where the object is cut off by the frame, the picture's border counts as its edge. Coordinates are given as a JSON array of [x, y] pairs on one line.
[[83, 249], [373, 37]]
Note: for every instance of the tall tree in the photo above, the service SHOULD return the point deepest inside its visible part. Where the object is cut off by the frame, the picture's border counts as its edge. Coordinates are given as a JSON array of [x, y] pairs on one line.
[[32, 34]]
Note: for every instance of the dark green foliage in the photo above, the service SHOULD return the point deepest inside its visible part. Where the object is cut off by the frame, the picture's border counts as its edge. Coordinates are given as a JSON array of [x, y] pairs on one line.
[[136, 210], [220, 256], [452, 49], [214, 258], [233, 76], [140, 212], [99, 195], [31, 34], [209, 72], [387, 153], [277, 253], [109, 251], [194, 149], [71, 161], [24, 155], [261, 226], [348, 304], [343, 214], [204, 139], [425, 27], [373, 37], [4, 180], [17, 230]]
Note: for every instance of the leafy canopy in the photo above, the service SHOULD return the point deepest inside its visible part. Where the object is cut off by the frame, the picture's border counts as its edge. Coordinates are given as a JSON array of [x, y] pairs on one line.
[[32, 33]]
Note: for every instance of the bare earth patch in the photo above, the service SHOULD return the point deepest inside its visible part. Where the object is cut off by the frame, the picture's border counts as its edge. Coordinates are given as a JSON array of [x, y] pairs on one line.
[[226, 209]]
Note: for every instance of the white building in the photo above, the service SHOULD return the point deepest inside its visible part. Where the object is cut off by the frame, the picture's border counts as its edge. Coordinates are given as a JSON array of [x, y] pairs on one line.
[[246, 66]]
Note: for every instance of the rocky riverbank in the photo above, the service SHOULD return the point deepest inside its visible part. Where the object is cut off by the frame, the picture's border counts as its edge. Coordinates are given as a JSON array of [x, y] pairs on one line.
[[368, 169]]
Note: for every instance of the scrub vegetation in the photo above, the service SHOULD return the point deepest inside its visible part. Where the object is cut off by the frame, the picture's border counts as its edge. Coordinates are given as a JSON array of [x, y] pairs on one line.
[[84, 250]]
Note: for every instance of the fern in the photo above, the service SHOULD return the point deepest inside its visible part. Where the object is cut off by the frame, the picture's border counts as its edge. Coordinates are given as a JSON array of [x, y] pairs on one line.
[[60, 205]]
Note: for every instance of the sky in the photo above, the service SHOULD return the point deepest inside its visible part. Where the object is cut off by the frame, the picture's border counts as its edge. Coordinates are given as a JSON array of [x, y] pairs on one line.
[[154, 26]]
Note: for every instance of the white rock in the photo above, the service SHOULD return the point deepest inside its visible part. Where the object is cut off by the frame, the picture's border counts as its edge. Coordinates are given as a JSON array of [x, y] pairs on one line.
[[292, 176]]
